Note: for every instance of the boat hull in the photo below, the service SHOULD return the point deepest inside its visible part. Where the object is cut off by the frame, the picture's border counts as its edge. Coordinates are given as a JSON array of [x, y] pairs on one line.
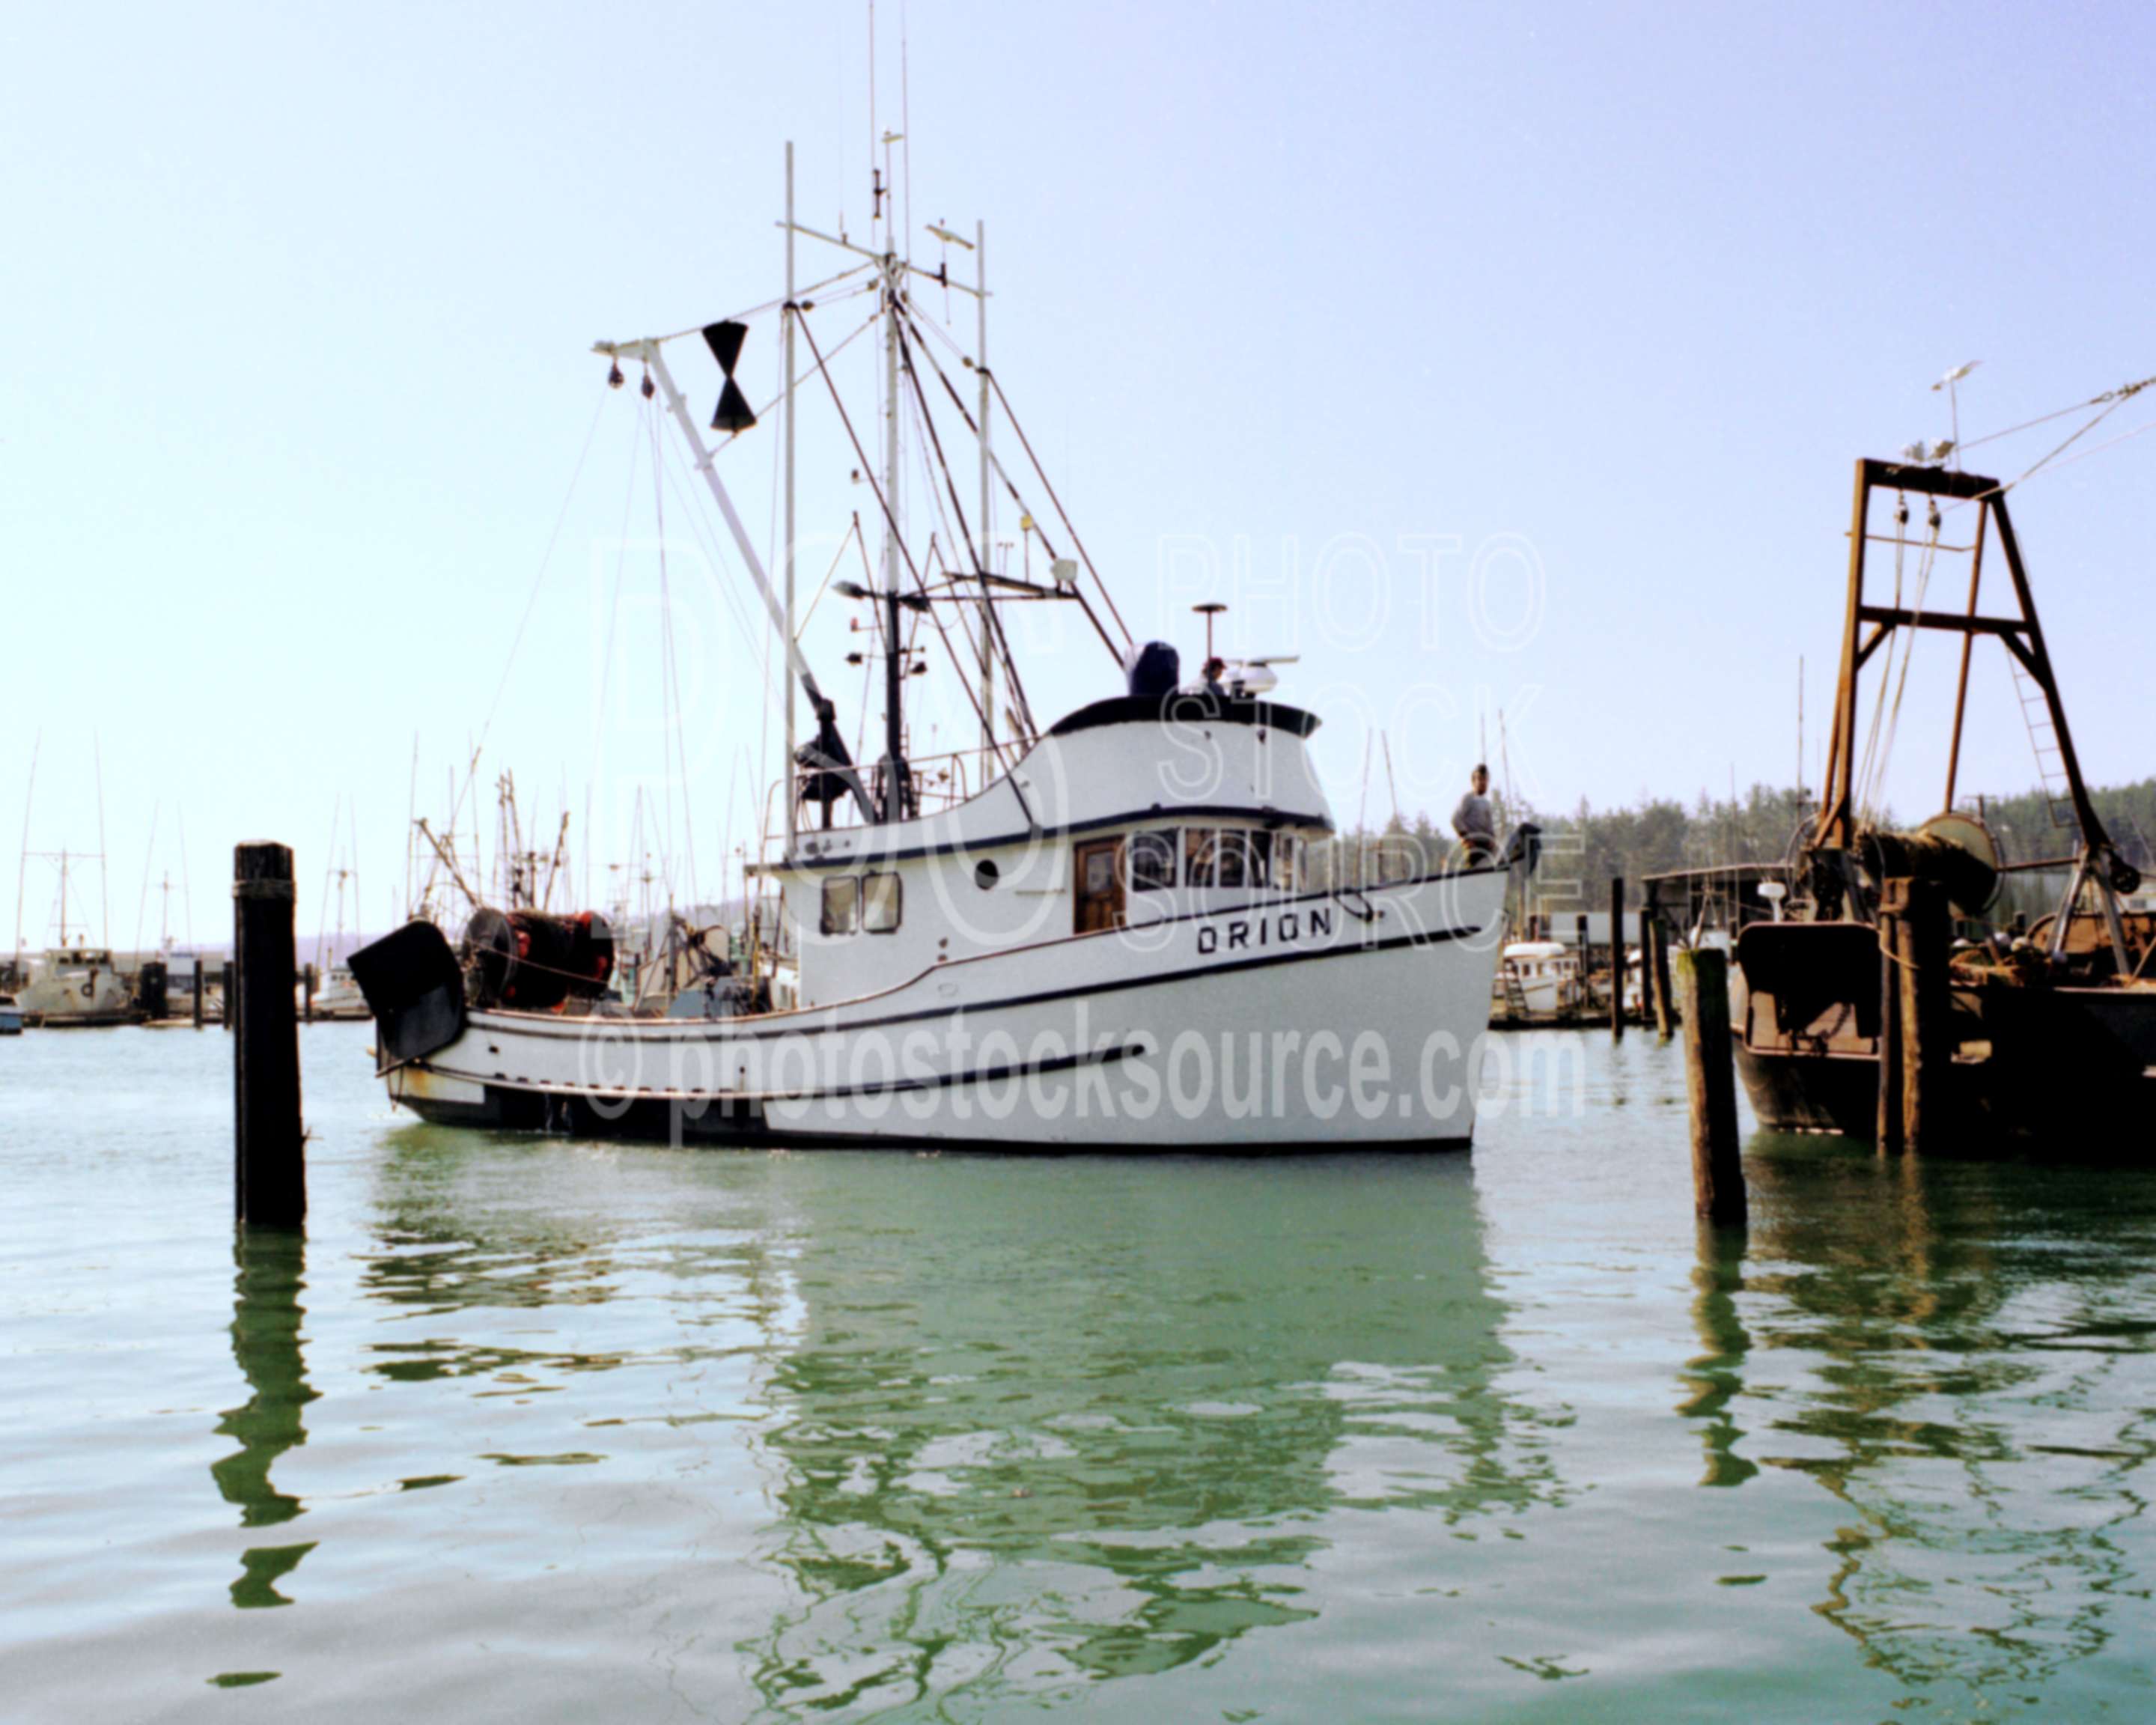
[[78, 999], [2057, 1064], [1322, 1021]]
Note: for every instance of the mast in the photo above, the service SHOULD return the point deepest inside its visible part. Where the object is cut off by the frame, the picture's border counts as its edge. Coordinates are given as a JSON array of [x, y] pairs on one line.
[[894, 683], [23, 867], [793, 813], [987, 553], [104, 888]]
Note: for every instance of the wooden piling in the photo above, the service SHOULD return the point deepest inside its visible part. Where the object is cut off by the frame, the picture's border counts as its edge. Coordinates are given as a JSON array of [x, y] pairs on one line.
[[307, 984], [152, 990], [1887, 1134], [1617, 958], [228, 1012], [1927, 1036], [1665, 1005], [1717, 1171], [269, 1172], [1583, 1002], [1646, 924], [199, 991]]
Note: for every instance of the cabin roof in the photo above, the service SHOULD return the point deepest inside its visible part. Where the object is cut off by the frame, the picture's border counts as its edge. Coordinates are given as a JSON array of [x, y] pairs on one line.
[[1187, 706]]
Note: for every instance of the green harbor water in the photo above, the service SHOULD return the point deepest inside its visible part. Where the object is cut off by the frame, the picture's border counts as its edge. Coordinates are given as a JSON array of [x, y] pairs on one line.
[[538, 1428]]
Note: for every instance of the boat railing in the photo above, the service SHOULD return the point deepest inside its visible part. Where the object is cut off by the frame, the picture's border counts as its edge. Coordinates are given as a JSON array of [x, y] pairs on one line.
[[1371, 859], [938, 783]]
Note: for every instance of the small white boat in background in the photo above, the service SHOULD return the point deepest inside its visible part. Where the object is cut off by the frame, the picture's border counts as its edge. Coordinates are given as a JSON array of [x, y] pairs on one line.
[[338, 998], [1540, 979], [78, 988]]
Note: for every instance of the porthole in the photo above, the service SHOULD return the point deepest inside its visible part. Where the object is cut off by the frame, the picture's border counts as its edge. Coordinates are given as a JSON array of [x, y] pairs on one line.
[[986, 874]]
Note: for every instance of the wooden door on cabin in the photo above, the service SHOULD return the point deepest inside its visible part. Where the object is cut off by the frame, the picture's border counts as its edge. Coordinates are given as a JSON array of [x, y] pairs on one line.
[[1099, 870]]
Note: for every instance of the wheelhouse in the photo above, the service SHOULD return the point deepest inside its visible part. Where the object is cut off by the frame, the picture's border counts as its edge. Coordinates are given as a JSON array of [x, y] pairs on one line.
[[1129, 812]]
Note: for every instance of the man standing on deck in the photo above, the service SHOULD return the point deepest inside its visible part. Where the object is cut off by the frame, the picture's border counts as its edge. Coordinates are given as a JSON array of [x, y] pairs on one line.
[[1476, 821]]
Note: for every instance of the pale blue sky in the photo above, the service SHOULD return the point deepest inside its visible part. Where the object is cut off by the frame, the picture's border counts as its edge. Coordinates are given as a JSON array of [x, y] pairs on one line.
[[299, 303]]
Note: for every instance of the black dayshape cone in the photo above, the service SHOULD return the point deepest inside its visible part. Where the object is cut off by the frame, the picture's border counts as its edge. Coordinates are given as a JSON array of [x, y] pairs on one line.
[[724, 340]]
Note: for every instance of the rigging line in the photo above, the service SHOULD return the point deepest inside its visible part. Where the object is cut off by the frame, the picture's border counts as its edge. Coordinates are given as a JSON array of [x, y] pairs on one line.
[[186, 890], [780, 466], [997, 642], [697, 329], [1908, 650], [762, 633], [957, 401], [707, 538], [929, 326], [530, 600], [23, 867], [142, 898], [2108, 443], [1010, 485], [322, 911], [2031, 472], [1086, 605], [2124, 392], [765, 412], [104, 869], [906, 125], [613, 620], [918, 407], [698, 508], [669, 725], [868, 472], [358, 909], [2095, 421], [823, 586], [1026, 444], [1859, 792], [929, 452], [680, 743]]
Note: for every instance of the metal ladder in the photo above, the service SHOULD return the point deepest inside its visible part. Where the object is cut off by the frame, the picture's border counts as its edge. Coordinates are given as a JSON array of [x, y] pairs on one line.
[[2044, 740], [1516, 997]]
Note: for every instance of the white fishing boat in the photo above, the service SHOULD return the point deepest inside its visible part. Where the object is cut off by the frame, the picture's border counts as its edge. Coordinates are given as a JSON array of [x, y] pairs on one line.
[[338, 998], [74, 985], [1540, 979], [77, 987], [1119, 930]]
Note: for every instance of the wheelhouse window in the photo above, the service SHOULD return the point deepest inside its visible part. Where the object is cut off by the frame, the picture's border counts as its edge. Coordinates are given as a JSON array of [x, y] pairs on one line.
[[1152, 861], [842, 905], [1287, 861], [881, 900], [1226, 856]]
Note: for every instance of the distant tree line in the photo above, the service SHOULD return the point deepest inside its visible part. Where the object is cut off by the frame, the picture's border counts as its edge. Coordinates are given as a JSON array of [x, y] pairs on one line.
[[1589, 845]]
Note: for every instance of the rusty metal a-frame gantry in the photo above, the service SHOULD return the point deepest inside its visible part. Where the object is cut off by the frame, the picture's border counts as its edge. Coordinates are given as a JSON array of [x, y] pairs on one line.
[[1867, 627]]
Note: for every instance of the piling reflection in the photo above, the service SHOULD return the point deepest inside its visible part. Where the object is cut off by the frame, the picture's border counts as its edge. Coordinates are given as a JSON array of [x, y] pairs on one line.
[[1111, 1445], [1956, 1312], [1716, 1375], [270, 1271]]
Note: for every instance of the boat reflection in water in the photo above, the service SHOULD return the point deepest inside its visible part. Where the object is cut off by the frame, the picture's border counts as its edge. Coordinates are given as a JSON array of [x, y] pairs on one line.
[[1939, 1346], [1112, 1445], [1025, 1424], [855, 1434]]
